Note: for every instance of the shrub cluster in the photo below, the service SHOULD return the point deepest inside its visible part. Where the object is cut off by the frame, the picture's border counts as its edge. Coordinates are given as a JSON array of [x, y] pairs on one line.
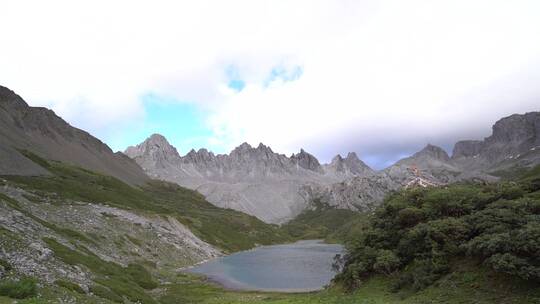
[[21, 289], [416, 234]]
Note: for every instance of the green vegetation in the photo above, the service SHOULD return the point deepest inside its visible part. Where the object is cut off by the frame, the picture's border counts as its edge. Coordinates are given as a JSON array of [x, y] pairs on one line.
[[105, 293], [5, 265], [69, 286], [324, 222], [467, 284], [418, 236], [129, 282], [227, 229], [21, 289]]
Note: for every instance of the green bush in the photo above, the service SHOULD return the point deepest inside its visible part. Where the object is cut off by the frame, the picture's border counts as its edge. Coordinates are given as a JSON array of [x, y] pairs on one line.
[[418, 233], [21, 289], [386, 262]]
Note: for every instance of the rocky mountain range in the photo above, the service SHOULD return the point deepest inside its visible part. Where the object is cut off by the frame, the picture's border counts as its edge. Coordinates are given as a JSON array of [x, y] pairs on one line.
[[254, 180], [276, 188], [41, 131]]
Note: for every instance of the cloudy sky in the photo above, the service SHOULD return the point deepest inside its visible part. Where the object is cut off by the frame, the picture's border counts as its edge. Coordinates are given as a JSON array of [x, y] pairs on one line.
[[381, 78]]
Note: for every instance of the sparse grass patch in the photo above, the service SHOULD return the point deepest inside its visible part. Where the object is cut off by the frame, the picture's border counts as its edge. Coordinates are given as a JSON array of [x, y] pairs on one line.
[[128, 282], [134, 240], [105, 293], [70, 286]]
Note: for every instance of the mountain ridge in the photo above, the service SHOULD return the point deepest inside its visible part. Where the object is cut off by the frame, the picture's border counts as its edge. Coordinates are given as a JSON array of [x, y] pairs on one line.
[[345, 182], [40, 131]]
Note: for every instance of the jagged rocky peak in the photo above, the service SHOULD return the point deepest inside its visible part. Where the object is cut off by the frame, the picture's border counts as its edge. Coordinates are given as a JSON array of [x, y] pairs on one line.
[[306, 161], [350, 165], [155, 144], [155, 150], [517, 129], [246, 152], [201, 156], [432, 151], [242, 148], [357, 166]]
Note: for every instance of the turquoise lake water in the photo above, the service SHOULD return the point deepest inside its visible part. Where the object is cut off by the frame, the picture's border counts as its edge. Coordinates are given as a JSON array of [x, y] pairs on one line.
[[298, 267]]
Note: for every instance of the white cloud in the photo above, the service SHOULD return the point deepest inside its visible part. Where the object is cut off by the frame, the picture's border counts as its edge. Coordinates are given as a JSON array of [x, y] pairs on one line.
[[371, 70]]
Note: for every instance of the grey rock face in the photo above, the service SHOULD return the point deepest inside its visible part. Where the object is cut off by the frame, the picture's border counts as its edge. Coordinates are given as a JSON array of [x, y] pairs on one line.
[[513, 142], [359, 193], [155, 150], [40, 131], [307, 161]]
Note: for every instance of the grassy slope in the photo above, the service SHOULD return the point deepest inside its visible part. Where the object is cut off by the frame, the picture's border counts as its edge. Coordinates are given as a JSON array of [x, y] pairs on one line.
[[324, 222], [468, 284], [225, 228]]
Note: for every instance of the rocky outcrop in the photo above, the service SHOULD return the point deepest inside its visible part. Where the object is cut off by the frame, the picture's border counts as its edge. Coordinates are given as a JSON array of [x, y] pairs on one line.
[[307, 161], [42, 132], [360, 193], [348, 167], [513, 142], [467, 148]]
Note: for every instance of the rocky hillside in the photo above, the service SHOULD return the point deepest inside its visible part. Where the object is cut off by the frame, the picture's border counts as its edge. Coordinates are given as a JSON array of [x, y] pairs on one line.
[[254, 180], [40, 131]]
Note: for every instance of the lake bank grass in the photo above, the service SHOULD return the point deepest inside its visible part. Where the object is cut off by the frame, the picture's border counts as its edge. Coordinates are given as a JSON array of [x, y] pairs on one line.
[[468, 283]]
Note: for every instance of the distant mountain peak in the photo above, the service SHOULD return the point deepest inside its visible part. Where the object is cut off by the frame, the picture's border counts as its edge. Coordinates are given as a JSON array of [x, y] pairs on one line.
[[352, 156], [337, 158], [307, 161], [432, 151], [351, 165], [155, 149], [244, 146]]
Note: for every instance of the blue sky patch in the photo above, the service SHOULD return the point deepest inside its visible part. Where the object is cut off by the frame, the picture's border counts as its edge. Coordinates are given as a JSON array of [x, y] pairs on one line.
[[235, 80], [237, 85], [183, 124], [284, 74]]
